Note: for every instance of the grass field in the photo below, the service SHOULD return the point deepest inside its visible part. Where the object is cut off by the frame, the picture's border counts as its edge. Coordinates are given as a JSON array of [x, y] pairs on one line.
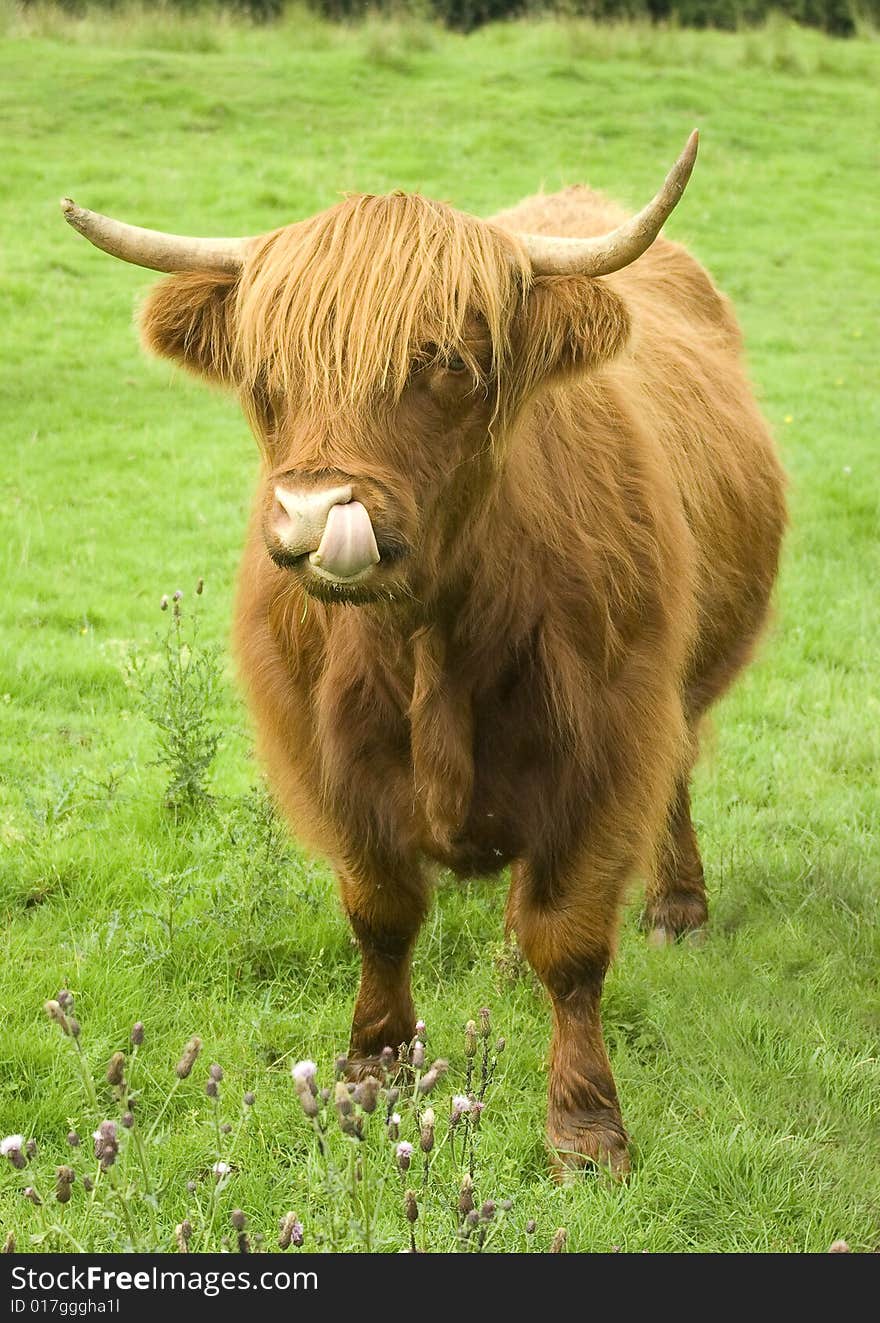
[[749, 1071]]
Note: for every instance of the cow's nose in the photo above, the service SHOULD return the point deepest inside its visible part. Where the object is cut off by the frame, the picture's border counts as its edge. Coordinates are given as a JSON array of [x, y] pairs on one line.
[[299, 517], [328, 526]]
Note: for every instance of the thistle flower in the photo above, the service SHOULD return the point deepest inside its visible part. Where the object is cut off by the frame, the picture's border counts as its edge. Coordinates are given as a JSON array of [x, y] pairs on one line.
[[477, 1109], [128, 1120], [391, 1098], [466, 1196], [73, 1139], [188, 1060], [221, 1169], [65, 999], [487, 1212], [177, 595], [30, 1148], [461, 1104], [432, 1076], [426, 1134], [394, 1126], [349, 1124], [387, 1058], [500, 1046], [367, 1094], [249, 1099], [420, 1027], [106, 1144], [12, 1148], [238, 1219], [211, 1088], [418, 1054], [191, 1187], [472, 1219], [291, 1231], [200, 587], [411, 1207], [182, 1233], [116, 1069], [506, 1205], [485, 1022], [558, 1244], [64, 1178], [88, 1184], [308, 1102], [163, 602], [216, 1072], [340, 1065], [304, 1073], [531, 1227], [470, 1040], [226, 1128], [55, 1012], [137, 1034], [73, 1026], [30, 1193], [839, 1247], [404, 1153]]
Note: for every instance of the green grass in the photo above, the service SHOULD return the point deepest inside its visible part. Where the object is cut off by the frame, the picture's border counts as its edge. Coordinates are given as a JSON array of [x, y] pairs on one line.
[[748, 1071]]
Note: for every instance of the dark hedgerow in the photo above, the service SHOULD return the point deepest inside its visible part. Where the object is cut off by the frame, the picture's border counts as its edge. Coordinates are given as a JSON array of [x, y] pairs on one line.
[[837, 17]]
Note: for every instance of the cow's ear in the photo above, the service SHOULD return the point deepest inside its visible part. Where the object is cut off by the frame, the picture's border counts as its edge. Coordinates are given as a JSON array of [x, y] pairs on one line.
[[569, 325], [191, 319]]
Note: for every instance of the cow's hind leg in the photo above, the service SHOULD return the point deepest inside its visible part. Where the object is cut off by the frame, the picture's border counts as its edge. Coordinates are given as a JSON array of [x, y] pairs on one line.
[[566, 930], [675, 899], [386, 901]]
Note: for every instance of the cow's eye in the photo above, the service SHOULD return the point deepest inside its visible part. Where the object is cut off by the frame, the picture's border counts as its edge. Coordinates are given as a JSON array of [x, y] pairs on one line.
[[454, 363]]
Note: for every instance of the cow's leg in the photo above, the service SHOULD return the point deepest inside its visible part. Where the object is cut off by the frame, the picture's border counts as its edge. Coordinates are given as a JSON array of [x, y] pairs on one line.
[[675, 898], [566, 928], [386, 902]]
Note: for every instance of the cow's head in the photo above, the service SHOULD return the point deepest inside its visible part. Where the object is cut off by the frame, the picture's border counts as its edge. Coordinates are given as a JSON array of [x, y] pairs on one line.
[[382, 352]]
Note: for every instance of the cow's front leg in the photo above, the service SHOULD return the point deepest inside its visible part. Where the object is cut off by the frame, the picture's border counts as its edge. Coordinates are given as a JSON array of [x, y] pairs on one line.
[[566, 927], [386, 901]]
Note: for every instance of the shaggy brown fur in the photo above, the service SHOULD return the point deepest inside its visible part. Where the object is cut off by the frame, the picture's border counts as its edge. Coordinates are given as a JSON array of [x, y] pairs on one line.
[[579, 511]]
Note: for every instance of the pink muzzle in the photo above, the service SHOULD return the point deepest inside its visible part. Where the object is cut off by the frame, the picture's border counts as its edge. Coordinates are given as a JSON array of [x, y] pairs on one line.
[[328, 526]]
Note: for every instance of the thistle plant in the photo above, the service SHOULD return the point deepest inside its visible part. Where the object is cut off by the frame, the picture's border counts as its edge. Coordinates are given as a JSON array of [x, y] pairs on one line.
[[383, 1129], [114, 1180], [395, 1159], [180, 699]]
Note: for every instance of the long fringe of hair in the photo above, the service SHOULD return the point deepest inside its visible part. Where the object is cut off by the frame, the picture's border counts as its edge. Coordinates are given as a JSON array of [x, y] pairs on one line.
[[337, 308]]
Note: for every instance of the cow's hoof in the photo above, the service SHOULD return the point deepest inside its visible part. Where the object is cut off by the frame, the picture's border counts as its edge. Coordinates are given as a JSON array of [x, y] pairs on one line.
[[359, 1068], [662, 936], [679, 916], [580, 1146]]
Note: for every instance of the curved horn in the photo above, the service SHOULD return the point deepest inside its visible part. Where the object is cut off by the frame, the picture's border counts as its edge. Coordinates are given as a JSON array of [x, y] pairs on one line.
[[152, 248], [609, 252]]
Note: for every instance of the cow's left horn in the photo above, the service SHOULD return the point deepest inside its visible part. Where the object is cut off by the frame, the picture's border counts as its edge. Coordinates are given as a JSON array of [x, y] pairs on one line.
[[552, 256], [152, 248]]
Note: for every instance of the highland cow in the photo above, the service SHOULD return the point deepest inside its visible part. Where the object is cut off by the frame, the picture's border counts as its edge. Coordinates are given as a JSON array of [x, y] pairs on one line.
[[517, 529]]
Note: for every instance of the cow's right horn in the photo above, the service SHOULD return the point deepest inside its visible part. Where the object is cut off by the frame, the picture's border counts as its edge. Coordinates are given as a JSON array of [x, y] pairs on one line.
[[152, 248], [600, 255]]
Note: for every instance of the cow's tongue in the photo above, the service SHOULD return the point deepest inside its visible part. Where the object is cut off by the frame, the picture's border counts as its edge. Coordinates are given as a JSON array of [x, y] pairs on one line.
[[348, 546]]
